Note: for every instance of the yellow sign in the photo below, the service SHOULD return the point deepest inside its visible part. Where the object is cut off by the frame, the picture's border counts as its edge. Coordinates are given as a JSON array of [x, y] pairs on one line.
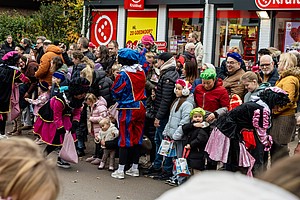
[[137, 27]]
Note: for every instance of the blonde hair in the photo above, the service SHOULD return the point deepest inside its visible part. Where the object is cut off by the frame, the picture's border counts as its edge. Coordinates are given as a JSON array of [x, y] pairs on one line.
[[251, 76], [149, 54], [285, 173], [88, 71], [115, 67], [233, 48], [91, 97], [288, 60], [25, 173], [104, 121]]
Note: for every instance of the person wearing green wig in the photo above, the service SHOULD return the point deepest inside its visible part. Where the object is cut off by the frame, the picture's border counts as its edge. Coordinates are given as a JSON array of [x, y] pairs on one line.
[[212, 97]]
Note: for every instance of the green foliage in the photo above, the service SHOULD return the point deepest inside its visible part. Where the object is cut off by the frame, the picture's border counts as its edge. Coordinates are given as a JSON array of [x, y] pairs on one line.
[[60, 20]]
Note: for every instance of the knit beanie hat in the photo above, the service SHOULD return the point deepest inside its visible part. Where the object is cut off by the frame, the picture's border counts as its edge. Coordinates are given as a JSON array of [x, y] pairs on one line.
[[208, 74], [235, 56], [184, 83], [43, 85], [59, 75], [147, 40], [197, 110], [165, 56]]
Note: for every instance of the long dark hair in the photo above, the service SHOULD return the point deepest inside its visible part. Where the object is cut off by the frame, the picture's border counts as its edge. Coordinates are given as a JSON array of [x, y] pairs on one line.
[[180, 102], [191, 71]]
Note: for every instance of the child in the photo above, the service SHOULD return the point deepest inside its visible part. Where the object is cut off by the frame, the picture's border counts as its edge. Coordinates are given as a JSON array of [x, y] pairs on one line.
[[57, 80], [253, 83], [43, 92], [98, 112], [197, 133], [179, 114], [108, 132]]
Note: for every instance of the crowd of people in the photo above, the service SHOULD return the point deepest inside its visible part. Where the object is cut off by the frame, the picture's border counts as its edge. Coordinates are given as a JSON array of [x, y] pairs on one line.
[[230, 117]]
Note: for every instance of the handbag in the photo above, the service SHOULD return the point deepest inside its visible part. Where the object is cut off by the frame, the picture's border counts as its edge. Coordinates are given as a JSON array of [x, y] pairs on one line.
[[68, 150], [114, 112], [15, 106], [167, 148], [180, 164]]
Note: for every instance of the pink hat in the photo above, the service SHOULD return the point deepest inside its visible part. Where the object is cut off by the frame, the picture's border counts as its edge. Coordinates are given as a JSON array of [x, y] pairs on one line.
[[184, 84], [91, 45], [147, 39]]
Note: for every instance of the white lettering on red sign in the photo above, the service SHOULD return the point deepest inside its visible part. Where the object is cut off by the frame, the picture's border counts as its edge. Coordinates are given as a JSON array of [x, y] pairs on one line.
[[277, 4]]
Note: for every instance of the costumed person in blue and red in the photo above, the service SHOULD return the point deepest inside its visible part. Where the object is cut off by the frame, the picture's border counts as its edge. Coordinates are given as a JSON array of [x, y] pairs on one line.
[[60, 114], [240, 137], [129, 91], [9, 74]]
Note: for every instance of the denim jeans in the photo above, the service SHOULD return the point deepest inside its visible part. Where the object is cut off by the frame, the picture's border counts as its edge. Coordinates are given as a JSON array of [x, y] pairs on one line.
[[159, 159]]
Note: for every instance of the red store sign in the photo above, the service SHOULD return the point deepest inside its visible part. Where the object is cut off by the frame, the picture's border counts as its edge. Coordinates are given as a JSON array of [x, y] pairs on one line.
[[161, 45], [104, 26], [134, 4], [278, 4]]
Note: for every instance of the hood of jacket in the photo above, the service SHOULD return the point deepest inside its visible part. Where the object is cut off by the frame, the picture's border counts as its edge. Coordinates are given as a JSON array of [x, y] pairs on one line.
[[54, 49], [101, 102], [171, 62], [99, 74]]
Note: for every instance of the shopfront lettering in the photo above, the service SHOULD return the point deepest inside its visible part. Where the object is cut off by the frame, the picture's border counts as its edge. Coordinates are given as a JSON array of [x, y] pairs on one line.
[[141, 32], [277, 4], [134, 4]]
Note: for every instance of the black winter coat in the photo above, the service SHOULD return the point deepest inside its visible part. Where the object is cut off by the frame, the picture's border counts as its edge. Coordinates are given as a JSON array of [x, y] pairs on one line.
[[101, 86], [77, 69], [197, 138], [165, 93], [8, 48]]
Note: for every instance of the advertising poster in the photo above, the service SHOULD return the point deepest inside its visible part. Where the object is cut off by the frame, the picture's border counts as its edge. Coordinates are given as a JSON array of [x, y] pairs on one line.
[[104, 26], [292, 36], [140, 23]]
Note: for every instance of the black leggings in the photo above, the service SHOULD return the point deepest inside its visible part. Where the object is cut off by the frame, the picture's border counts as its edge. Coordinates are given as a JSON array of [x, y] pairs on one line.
[[3, 124], [50, 148], [133, 152]]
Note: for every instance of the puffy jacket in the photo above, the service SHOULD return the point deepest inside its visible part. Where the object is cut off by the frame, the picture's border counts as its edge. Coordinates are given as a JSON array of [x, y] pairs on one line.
[[29, 71], [98, 112], [250, 96], [101, 86], [43, 73], [165, 89], [233, 85], [212, 100], [89, 54], [77, 69]]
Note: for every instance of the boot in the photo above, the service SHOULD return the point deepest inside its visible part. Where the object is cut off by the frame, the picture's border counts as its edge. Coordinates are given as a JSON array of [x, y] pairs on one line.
[[14, 128], [18, 125]]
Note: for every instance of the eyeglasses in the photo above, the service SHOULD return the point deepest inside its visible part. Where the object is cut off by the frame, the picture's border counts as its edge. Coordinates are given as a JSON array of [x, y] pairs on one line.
[[231, 63], [265, 65]]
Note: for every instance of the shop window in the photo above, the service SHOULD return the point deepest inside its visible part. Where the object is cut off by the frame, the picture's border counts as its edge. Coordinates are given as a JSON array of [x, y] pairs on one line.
[[182, 22], [140, 23], [236, 28], [287, 31]]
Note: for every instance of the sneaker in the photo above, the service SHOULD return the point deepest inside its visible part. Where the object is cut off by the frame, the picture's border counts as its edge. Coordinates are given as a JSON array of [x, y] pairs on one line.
[[90, 159], [118, 175], [39, 142], [151, 171], [133, 172], [101, 166], [163, 176], [111, 168], [96, 161], [63, 164], [173, 183]]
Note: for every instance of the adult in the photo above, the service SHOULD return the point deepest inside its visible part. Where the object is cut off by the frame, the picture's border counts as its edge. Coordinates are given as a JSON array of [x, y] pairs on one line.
[[190, 74], [193, 38], [83, 45], [102, 57], [211, 95], [268, 71], [129, 90], [232, 81], [43, 73], [244, 129], [223, 72], [284, 122], [25, 174], [189, 53], [39, 48], [9, 45], [9, 73], [113, 48], [61, 114], [164, 97], [26, 44]]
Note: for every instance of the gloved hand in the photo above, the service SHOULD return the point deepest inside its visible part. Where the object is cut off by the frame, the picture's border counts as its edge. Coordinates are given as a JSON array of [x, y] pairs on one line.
[[61, 131], [75, 125]]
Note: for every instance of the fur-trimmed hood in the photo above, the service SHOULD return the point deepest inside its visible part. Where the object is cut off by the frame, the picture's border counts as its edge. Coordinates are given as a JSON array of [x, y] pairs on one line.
[[293, 71]]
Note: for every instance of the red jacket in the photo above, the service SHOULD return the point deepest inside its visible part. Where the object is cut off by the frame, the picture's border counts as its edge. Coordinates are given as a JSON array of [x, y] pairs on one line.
[[212, 100]]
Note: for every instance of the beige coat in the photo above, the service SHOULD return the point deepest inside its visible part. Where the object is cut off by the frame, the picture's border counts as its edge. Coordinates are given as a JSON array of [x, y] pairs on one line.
[[233, 85]]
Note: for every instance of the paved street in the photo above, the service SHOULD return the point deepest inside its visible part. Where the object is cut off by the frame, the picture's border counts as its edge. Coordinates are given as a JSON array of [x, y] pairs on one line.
[[84, 181]]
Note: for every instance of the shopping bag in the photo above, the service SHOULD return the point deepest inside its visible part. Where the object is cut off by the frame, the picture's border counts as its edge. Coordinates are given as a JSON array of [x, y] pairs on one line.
[[181, 166], [167, 148], [68, 151], [114, 112], [15, 106]]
